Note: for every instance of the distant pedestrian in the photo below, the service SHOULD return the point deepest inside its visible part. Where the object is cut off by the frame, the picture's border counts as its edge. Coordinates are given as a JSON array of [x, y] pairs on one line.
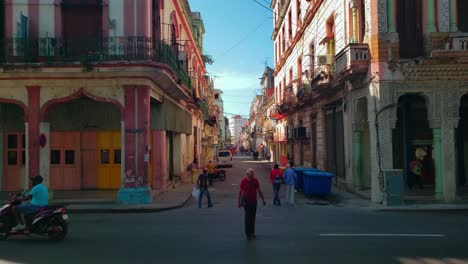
[[276, 177], [290, 179], [193, 167], [202, 184], [211, 172], [247, 198]]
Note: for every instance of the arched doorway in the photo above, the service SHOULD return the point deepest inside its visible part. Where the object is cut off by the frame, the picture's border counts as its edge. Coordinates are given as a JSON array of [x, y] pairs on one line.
[[462, 147], [413, 146], [13, 145], [85, 145]]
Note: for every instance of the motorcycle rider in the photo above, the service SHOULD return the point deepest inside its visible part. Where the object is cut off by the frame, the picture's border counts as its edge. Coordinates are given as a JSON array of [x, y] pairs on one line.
[[39, 197]]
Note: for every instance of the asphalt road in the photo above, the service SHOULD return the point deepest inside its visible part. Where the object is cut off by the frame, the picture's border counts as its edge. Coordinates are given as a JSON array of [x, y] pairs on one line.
[[303, 234]]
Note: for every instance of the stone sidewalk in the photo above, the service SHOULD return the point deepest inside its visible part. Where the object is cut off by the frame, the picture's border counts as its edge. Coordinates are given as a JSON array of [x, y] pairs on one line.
[[175, 197]]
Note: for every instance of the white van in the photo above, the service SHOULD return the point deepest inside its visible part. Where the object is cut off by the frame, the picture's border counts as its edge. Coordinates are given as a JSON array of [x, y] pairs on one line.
[[224, 159]]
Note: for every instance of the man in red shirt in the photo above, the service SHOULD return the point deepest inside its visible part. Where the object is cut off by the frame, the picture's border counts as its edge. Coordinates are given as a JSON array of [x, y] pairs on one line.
[[276, 177], [247, 198]]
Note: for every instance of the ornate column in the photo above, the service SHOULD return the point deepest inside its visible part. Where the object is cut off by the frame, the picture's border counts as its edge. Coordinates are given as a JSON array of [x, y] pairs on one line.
[[439, 191], [391, 16], [357, 159], [354, 8], [453, 16], [430, 17]]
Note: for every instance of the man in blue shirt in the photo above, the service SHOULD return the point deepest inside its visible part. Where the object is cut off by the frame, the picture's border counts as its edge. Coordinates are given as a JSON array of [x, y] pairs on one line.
[[39, 197], [290, 179]]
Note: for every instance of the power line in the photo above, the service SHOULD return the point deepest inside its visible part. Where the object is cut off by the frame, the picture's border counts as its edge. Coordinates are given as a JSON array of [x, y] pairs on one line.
[[282, 17], [245, 37], [262, 5]]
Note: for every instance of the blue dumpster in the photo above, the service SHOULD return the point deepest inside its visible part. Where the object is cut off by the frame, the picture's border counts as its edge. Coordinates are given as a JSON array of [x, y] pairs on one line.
[[300, 176], [317, 183]]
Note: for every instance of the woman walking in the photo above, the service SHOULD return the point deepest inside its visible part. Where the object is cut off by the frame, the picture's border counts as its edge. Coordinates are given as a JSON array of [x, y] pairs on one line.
[[276, 177]]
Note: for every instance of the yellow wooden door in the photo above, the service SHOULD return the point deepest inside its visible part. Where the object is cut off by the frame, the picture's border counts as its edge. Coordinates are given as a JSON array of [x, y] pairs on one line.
[[109, 160]]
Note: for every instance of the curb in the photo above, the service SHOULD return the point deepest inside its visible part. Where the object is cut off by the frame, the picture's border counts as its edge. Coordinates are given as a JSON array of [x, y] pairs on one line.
[[117, 210], [419, 209]]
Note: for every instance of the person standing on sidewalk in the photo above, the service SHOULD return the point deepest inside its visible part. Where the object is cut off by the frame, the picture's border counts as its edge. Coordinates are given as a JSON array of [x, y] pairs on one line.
[[276, 177], [290, 179], [247, 198], [202, 185], [211, 172], [194, 169]]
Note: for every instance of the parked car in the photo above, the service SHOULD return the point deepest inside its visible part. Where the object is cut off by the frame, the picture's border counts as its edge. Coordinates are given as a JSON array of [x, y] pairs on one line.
[[224, 159]]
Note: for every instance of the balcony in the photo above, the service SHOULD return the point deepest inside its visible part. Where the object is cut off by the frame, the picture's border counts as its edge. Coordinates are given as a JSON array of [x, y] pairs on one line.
[[277, 113], [304, 93], [90, 52], [320, 78], [455, 46], [352, 61]]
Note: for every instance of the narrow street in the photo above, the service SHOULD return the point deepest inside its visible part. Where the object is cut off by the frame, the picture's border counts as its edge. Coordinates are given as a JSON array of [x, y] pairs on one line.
[[304, 234]]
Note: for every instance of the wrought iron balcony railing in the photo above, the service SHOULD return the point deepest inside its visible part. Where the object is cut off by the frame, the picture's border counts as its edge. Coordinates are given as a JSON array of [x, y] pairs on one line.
[[353, 59], [58, 51]]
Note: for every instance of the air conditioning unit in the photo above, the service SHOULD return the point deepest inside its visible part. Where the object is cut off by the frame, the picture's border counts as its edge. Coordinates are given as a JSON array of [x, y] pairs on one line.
[[325, 59]]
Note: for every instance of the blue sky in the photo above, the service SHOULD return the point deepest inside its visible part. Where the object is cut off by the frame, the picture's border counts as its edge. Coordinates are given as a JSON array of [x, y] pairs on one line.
[[238, 37]]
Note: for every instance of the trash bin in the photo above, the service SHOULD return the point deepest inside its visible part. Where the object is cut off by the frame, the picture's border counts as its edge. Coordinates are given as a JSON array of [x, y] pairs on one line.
[[300, 176], [317, 183]]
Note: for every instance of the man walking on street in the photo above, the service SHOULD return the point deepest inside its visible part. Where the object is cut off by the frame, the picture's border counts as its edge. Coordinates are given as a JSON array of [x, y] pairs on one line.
[[202, 184], [276, 177], [247, 198], [290, 179]]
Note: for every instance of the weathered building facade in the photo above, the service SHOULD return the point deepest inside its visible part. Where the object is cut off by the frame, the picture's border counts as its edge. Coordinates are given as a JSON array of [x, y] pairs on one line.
[[100, 94], [371, 87]]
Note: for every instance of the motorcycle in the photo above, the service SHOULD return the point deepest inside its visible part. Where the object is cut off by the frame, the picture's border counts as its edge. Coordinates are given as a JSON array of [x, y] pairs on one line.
[[51, 220], [220, 174]]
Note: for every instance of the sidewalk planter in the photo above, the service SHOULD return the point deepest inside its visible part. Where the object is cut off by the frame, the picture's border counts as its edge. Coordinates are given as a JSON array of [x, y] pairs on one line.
[[317, 183], [300, 176]]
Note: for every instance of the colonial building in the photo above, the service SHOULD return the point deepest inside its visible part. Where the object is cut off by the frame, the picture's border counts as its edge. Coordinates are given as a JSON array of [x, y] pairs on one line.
[[222, 143], [100, 94], [267, 81], [365, 88], [236, 123]]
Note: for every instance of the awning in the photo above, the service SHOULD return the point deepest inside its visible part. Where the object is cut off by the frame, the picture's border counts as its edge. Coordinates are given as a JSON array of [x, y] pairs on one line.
[[168, 116]]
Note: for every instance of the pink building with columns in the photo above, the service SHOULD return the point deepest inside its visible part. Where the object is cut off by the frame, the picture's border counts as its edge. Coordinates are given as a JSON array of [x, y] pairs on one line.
[[99, 94]]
